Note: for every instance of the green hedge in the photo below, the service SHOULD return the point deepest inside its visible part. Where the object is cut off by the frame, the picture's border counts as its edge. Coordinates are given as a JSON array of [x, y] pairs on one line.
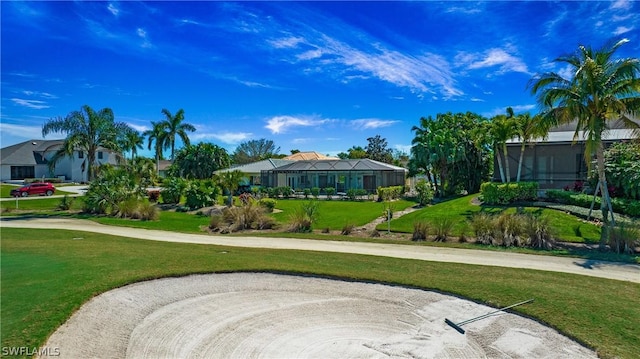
[[505, 193], [625, 206], [392, 192]]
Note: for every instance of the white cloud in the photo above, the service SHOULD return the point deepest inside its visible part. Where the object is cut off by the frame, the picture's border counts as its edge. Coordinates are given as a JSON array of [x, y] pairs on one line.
[[40, 94], [113, 9], [230, 138], [622, 30], [34, 104], [492, 58], [298, 141], [621, 5], [143, 35], [522, 108], [139, 128], [281, 124], [372, 123], [287, 42]]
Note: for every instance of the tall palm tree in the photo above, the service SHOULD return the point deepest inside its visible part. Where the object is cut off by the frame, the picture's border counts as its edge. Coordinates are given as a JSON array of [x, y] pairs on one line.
[[175, 127], [230, 181], [600, 90], [502, 129], [527, 129], [132, 141], [86, 131], [157, 135]]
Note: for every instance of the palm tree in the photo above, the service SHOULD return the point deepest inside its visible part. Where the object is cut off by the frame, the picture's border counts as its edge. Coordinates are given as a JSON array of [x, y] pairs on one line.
[[86, 131], [528, 128], [230, 181], [501, 130], [158, 135], [131, 141], [600, 90], [175, 127]]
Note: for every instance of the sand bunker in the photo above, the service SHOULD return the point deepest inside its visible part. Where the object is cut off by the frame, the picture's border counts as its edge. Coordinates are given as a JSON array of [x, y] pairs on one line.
[[247, 315]]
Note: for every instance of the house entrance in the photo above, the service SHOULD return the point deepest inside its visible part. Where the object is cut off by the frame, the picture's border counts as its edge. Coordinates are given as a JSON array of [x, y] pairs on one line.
[[369, 183]]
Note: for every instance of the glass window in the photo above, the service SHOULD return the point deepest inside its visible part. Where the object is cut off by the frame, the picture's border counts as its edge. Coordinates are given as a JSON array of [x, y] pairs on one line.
[[99, 155]]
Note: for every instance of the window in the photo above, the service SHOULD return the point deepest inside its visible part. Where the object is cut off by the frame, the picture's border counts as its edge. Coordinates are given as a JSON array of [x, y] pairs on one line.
[[100, 155], [80, 154], [22, 172]]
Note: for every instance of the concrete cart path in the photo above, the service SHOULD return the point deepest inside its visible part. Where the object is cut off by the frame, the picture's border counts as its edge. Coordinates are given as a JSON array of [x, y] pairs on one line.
[[610, 270]]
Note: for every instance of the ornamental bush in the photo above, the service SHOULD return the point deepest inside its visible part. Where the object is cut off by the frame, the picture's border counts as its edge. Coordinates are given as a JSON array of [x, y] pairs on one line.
[[505, 193]]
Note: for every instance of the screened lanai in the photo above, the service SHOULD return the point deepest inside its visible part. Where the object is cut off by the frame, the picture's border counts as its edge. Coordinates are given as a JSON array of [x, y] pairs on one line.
[[339, 174]]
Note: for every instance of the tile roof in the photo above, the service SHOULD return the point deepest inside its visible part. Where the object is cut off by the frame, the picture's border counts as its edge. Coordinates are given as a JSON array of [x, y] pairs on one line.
[[339, 165], [308, 155]]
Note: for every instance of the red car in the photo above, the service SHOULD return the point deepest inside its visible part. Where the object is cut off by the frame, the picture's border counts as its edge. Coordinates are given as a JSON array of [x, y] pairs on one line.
[[45, 188]]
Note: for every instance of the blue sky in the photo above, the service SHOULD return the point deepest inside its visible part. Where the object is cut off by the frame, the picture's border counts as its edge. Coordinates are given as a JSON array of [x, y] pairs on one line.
[[320, 76]]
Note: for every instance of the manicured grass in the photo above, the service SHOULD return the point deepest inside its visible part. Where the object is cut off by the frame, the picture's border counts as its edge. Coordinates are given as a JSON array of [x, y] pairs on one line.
[[48, 274], [168, 221], [568, 228], [39, 204], [335, 214]]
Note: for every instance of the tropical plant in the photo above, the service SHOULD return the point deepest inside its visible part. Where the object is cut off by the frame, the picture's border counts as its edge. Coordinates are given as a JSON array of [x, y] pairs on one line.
[[157, 136], [132, 141], [86, 130], [66, 202], [143, 170], [502, 129], [303, 217], [528, 128], [200, 193], [254, 150], [420, 231], [601, 89], [172, 190], [229, 181], [112, 188], [174, 126], [425, 192], [199, 161], [622, 168]]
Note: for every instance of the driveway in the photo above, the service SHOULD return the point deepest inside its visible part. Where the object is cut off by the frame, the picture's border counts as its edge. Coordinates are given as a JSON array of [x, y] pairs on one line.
[[602, 269]]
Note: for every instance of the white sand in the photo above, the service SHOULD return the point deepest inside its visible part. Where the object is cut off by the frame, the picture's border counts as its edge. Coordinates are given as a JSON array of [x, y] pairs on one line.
[[249, 315]]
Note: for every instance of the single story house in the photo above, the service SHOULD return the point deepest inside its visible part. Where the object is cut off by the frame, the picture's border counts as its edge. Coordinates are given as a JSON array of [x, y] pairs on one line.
[[254, 170], [557, 161], [339, 174], [30, 159]]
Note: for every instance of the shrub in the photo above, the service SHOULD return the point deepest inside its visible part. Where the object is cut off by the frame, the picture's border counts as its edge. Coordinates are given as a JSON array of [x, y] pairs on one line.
[[330, 191], [303, 218], [245, 198], [356, 193], [216, 222], [425, 192], [505, 193], [285, 191], [374, 233], [387, 211], [315, 192], [153, 195], [268, 203], [389, 193], [173, 189], [443, 227], [538, 232], [65, 203], [420, 231], [306, 192], [200, 193], [348, 228], [624, 237], [147, 211], [234, 219], [127, 209], [509, 229], [483, 228]]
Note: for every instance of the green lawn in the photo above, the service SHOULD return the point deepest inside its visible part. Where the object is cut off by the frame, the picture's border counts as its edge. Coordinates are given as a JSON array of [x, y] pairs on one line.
[[168, 221], [335, 214], [48, 274], [38, 204], [568, 228]]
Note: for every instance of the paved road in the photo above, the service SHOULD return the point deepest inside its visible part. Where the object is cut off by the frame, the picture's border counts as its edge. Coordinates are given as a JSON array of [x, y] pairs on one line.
[[602, 269]]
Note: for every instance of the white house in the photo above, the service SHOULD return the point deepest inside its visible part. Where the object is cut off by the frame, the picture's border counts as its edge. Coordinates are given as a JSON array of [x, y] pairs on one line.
[[30, 159]]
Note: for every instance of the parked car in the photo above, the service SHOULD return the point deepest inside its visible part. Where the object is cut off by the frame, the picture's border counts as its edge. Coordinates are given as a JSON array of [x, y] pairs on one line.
[[45, 188]]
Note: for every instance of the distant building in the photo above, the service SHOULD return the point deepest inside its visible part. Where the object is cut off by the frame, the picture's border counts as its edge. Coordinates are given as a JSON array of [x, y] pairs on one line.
[[308, 156], [30, 159]]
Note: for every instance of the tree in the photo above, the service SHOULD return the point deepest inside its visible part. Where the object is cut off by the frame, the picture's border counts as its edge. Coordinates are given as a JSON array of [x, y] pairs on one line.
[[453, 151], [87, 131], [174, 126], [199, 161], [230, 181], [158, 136], [501, 130], [377, 149], [600, 90], [254, 150], [528, 128], [131, 141]]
